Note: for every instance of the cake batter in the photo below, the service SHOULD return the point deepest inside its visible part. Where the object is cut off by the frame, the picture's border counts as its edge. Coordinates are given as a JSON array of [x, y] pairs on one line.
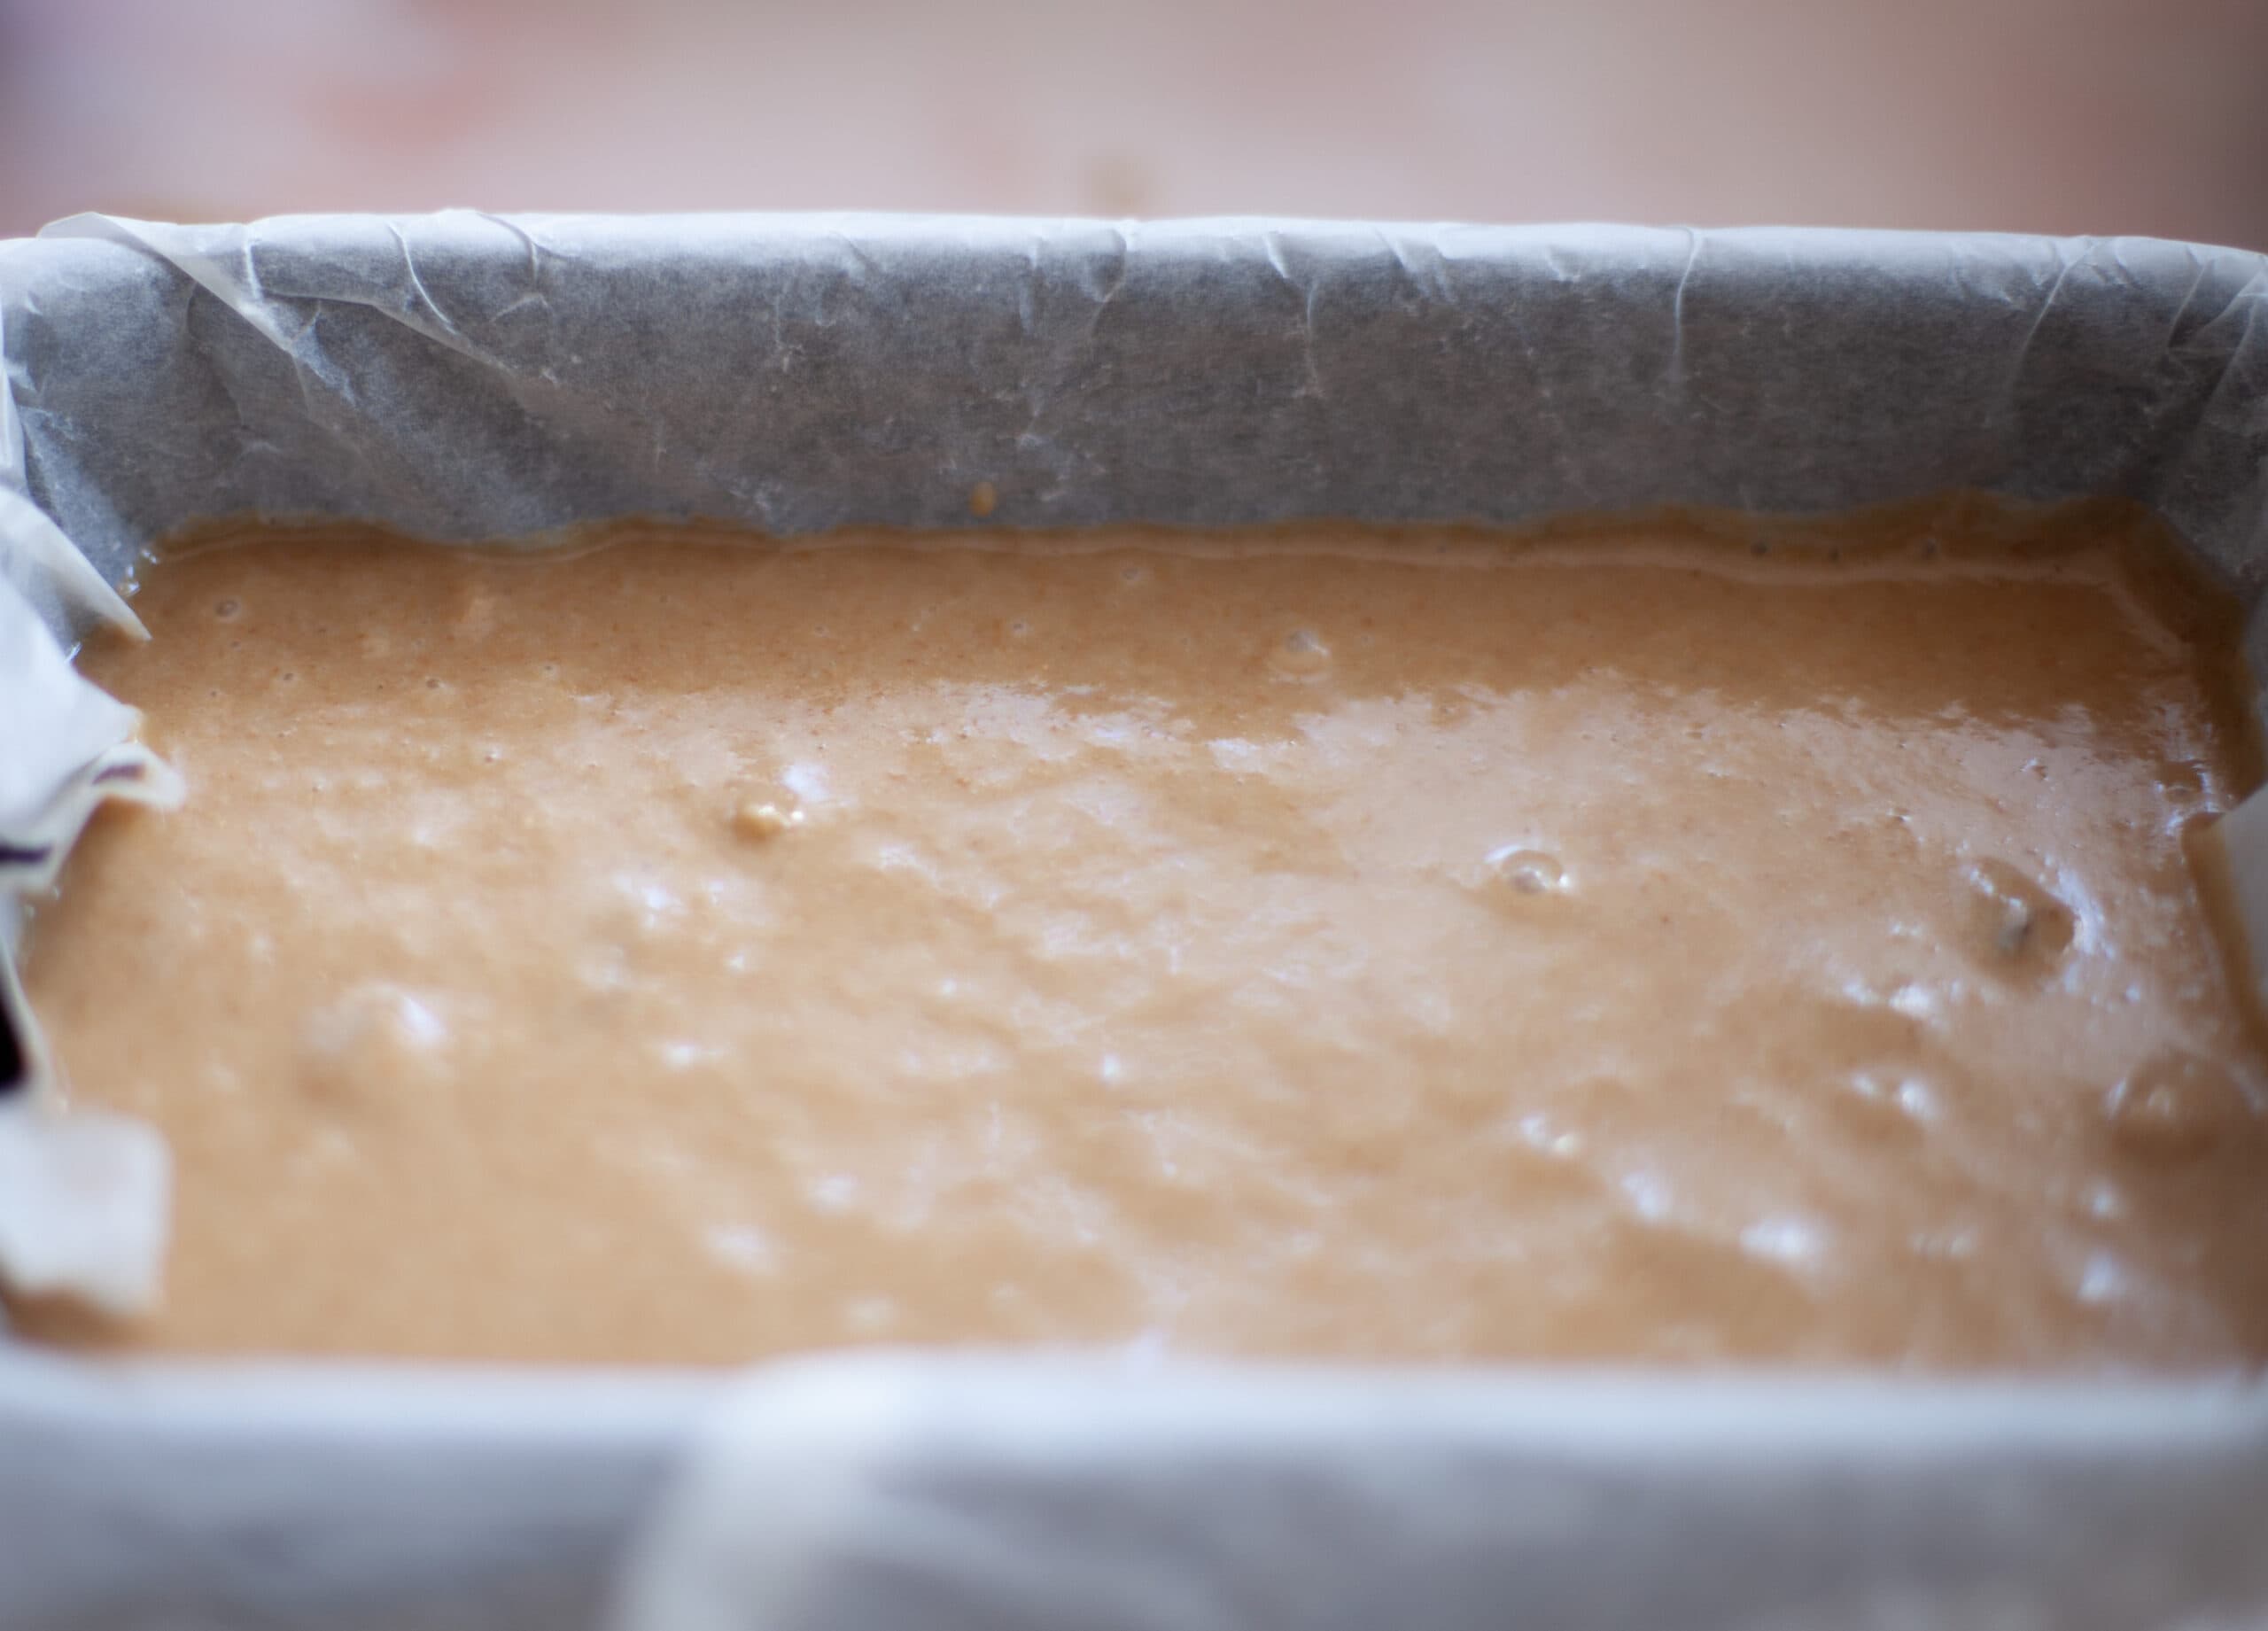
[[1662, 940]]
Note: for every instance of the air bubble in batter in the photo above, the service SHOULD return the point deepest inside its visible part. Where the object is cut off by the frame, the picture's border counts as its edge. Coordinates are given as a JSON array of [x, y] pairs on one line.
[[2178, 1106], [373, 1038], [2018, 924], [1520, 871], [1300, 654]]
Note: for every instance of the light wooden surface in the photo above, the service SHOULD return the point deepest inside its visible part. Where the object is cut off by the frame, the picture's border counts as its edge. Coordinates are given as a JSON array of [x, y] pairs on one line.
[[2050, 115]]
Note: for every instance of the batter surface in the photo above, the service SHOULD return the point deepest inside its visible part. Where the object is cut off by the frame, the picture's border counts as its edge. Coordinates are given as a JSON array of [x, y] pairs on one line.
[[1663, 941]]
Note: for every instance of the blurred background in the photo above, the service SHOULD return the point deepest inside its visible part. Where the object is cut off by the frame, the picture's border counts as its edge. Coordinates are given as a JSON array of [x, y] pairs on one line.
[[2146, 116]]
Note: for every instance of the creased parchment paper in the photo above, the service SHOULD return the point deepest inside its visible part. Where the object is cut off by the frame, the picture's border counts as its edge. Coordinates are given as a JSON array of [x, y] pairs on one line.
[[468, 376], [83, 1195], [1002, 1494]]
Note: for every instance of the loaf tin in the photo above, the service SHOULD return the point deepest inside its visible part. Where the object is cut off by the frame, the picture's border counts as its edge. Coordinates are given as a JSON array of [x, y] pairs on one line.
[[470, 377]]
